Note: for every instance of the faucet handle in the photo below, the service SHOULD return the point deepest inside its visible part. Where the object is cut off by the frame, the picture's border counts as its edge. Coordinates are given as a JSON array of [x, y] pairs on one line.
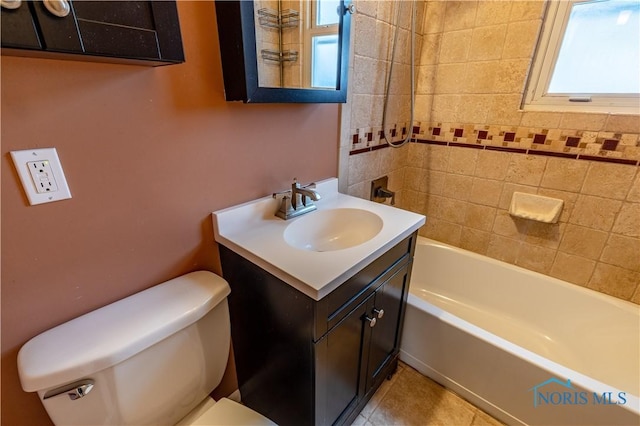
[[285, 193]]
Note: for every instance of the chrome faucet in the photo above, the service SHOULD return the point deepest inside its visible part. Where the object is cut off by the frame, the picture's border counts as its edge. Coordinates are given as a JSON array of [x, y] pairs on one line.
[[297, 201]]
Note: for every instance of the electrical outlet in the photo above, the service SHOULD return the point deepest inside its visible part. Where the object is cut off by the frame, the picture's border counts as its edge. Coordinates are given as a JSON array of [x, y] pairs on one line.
[[41, 175]]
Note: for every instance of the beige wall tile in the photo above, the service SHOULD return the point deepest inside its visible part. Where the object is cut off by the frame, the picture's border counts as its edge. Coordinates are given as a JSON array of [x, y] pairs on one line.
[[462, 160], [583, 242], [583, 121], [487, 42], [526, 169], [634, 192], [480, 217], [510, 76], [609, 180], [573, 269], [430, 48], [457, 186], [433, 17], [366, 7], [508, 190], [492, 164], [544, 234], [595, 212], [564, 174], [621, 123], [450, 78], [455, 46], [486, 192], [460, 15], [615, 281], [473, 108], [415, 155], [569, 199], [492, 12], [480, 76], [521, 39], [445, 108], [359, 190], [622, 251], [535, 258], [475, 240], [426, 79], [441, 230], [503, 248], [508, 226], [451, 210], [423, 106], [365, 31], [628, 220], [504, 110], [549, 120], [524, 10], [437, 157], [413, 177]]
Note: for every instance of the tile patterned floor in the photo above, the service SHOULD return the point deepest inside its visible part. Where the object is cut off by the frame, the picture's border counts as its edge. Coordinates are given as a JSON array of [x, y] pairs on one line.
[[410, 398]]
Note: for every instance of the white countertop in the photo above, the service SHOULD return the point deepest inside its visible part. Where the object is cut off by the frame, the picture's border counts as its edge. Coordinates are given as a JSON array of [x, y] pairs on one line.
[[253, 231]]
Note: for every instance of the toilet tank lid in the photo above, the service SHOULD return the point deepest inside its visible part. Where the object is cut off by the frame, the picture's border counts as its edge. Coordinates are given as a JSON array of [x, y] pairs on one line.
[[107, 336]]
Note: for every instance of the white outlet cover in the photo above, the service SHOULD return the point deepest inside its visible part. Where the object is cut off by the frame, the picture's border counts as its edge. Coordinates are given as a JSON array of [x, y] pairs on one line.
[[45, 181]]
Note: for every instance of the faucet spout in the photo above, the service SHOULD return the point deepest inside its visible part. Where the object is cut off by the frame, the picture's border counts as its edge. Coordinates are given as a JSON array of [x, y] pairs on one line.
[[307, 192]]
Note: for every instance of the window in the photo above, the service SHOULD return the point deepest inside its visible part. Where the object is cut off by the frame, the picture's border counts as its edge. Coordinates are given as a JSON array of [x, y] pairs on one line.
[[588, 58], [321, 40]]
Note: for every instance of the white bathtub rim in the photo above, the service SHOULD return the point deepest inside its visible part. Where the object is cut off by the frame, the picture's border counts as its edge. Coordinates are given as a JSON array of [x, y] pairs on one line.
[[586, 382], [623, 304]]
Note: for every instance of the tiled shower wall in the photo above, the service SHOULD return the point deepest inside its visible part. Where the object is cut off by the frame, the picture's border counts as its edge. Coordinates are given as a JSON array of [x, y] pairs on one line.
[[475, 147]]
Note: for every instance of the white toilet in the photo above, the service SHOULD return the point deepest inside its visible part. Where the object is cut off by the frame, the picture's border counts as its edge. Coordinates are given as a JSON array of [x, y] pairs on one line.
[[151, 358]]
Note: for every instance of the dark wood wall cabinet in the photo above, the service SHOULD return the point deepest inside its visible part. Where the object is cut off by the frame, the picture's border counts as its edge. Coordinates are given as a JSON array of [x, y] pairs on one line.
[[137, 32], [305, 362]]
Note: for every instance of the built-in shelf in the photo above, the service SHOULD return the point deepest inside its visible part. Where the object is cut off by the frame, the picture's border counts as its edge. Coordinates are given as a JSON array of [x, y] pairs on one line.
[[276, 56], [287, 18]]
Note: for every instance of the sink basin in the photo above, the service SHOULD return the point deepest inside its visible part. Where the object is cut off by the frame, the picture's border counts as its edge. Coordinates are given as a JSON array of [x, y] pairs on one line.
[[334, 229]]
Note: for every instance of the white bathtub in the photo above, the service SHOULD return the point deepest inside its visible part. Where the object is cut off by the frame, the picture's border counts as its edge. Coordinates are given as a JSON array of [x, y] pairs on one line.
[[508, 339]]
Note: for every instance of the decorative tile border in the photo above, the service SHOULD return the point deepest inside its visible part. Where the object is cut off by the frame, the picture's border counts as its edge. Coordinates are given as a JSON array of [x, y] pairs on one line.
[[372, 138], [621, 148]]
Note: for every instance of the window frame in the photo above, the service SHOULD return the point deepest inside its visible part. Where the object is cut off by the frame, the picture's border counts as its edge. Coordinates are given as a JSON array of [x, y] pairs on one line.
[[536, 98]]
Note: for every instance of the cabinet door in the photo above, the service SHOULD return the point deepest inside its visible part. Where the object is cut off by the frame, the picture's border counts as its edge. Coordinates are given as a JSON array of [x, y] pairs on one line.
[[339, 360], [385, 336], [131, 30], [19, 29]]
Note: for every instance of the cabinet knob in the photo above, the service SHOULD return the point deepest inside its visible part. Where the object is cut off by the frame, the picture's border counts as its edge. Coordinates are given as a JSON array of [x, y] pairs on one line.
[[378, 312], [10, 4], [59, 8], [372, 321]]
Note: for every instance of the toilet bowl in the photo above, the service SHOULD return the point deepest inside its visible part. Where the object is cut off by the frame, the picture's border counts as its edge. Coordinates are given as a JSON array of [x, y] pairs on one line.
[[151, 358]]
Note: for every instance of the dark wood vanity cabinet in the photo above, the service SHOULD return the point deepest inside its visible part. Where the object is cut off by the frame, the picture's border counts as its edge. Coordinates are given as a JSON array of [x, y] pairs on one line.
[[306, 362], [140, 32]]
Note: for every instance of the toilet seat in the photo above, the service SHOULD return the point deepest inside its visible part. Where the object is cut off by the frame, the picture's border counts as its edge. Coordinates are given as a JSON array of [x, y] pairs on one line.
[[224, 412]]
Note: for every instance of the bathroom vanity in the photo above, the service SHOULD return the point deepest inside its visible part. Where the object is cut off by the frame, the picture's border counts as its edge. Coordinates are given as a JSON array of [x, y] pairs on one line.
[[315, 332]]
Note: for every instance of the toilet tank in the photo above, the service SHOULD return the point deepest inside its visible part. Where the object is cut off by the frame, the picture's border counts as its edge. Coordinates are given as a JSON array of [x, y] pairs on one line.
[[146, 359]]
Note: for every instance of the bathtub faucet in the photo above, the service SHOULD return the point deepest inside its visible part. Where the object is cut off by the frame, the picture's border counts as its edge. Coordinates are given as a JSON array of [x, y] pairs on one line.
[[297, 201]]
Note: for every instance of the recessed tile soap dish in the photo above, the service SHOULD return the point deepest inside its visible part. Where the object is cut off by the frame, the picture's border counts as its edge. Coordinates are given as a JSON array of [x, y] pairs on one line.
[[535, 207]]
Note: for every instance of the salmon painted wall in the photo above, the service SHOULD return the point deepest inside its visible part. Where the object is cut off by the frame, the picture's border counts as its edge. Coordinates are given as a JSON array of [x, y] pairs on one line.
[[148, 153]]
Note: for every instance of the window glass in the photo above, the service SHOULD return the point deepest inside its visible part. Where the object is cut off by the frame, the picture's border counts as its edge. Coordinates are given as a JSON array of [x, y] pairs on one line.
[[325, 61], [327, 12], [600, 50]]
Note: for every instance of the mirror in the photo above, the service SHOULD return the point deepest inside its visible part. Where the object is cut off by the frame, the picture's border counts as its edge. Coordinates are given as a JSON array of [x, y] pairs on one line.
[[284, 50]]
